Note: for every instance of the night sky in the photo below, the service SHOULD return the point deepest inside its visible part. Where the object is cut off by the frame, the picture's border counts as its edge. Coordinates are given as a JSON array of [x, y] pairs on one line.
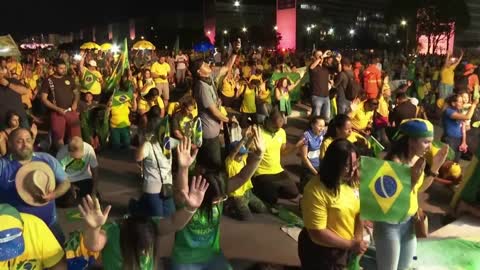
[[47, 16], [21, 17]]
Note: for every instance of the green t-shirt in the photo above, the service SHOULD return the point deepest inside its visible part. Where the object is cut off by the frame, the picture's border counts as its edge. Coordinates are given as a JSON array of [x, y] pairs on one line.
[[199, 241], [111, 253]]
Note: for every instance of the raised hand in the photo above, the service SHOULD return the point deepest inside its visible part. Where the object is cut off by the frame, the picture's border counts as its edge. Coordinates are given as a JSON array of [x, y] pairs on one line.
[[417, 170], [439, 158], [258, 141], [185, 155], [197, 190], [92, 213]]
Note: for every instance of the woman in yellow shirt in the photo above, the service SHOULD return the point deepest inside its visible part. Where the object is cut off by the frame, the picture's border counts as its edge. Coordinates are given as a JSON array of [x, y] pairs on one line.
[[145, 83], [339, 128], [145, 103], [228, 90], [396, 243], [331, 211], [248, 108]]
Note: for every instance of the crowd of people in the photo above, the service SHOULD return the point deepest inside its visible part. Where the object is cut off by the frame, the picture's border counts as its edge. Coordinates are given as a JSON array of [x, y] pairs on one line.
[[209, 135]]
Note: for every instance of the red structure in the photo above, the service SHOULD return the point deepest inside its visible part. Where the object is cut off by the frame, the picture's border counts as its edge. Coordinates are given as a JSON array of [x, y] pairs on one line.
[[287, 24], [209, 20]]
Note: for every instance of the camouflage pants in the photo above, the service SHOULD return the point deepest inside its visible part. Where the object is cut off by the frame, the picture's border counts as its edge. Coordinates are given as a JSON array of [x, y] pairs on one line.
[[241, 208]]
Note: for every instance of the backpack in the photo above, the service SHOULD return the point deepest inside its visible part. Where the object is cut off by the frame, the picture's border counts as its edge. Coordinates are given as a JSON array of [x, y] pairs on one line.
[[353, 88]]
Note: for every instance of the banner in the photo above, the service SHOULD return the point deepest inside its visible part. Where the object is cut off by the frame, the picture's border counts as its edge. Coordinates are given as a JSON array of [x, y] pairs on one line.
[[8, 47], [385, 188]]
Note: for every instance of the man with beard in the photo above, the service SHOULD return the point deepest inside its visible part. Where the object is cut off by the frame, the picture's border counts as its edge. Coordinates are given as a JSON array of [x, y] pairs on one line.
[[20, 143], [59, 95]]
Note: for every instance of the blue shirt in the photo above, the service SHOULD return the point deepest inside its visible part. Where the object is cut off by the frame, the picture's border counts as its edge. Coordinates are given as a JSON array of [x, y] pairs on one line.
[[8, 191], [452, 128], [313, 142]]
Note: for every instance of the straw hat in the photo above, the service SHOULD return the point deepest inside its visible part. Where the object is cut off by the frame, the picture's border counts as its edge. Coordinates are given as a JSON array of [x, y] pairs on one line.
[[34, 180]]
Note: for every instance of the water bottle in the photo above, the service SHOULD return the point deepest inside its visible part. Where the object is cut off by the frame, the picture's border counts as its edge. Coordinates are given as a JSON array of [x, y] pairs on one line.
[[415, 263]]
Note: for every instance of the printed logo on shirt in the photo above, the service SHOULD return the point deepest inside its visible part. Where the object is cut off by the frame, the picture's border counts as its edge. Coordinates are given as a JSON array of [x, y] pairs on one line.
[[27, 265]]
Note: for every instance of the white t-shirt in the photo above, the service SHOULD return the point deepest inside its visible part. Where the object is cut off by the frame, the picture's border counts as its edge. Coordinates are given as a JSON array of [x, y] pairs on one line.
[[79, 169], [181, 61], [153, 175]]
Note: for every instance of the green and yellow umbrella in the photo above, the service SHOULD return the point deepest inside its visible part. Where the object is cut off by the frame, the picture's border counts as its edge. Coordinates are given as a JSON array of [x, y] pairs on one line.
[[90, 46], [106, 46], [143, 45]]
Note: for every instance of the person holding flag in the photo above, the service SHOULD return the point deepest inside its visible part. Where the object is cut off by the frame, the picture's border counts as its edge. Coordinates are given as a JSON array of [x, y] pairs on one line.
[[90, 78], [396, 242], [122, 102]]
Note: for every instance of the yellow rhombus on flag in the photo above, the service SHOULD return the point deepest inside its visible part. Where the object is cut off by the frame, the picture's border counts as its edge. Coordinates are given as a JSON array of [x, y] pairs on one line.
[[384, 190]]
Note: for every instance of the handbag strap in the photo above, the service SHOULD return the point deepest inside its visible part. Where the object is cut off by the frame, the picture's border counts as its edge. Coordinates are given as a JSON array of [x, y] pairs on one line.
[[158, 163], [52, 90]]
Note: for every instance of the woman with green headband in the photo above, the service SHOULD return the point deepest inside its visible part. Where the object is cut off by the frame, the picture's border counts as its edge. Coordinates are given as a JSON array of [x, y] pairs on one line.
[[396, 242]]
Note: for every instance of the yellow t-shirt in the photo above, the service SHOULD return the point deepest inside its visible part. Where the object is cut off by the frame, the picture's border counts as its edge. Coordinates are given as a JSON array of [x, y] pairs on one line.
[[228, 88], [27, 99], [270, 163], [15, 68], [361, 118], [326, 143], [447, 75], [145, 106], [248, 102], [256, 77], [322, 209], [383, 107], [149, 84], [233, 168], [160, 69], [246, 72], [96, 88], [41, 247], [265, 96], [414, 197], [120, 115]]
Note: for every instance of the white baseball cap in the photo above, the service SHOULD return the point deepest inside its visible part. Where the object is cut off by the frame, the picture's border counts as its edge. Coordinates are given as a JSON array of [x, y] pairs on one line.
[[92, 63]]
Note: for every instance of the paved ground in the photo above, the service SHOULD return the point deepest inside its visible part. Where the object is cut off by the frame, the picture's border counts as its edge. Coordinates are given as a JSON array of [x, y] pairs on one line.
[[260, 240]]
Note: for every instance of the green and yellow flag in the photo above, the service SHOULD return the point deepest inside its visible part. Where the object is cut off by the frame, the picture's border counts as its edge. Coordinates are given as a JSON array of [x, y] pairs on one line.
[[469, 190], [114, 79], [376, 146], [88, 79], [384, 190], [301, 74]]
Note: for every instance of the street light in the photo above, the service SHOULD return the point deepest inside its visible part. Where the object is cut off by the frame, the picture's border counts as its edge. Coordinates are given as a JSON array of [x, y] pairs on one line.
[[330, 31], [403, 23], [208, 32], [275, 28], [225, 32], [398, 41], [236, 3], [308, 29], [351, 32], [244, 29]]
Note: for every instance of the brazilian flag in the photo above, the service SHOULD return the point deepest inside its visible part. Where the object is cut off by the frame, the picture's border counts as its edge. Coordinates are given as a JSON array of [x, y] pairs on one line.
[[164, 132], [469, 190], [376, 146], [114, 79], [88, 79], [385, 189], [301, 74], [449, 253], [120, 97], [197, 132]]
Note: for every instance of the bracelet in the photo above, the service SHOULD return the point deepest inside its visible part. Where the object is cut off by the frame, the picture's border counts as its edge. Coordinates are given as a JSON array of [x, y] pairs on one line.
[[190, 211], [431, 174]]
